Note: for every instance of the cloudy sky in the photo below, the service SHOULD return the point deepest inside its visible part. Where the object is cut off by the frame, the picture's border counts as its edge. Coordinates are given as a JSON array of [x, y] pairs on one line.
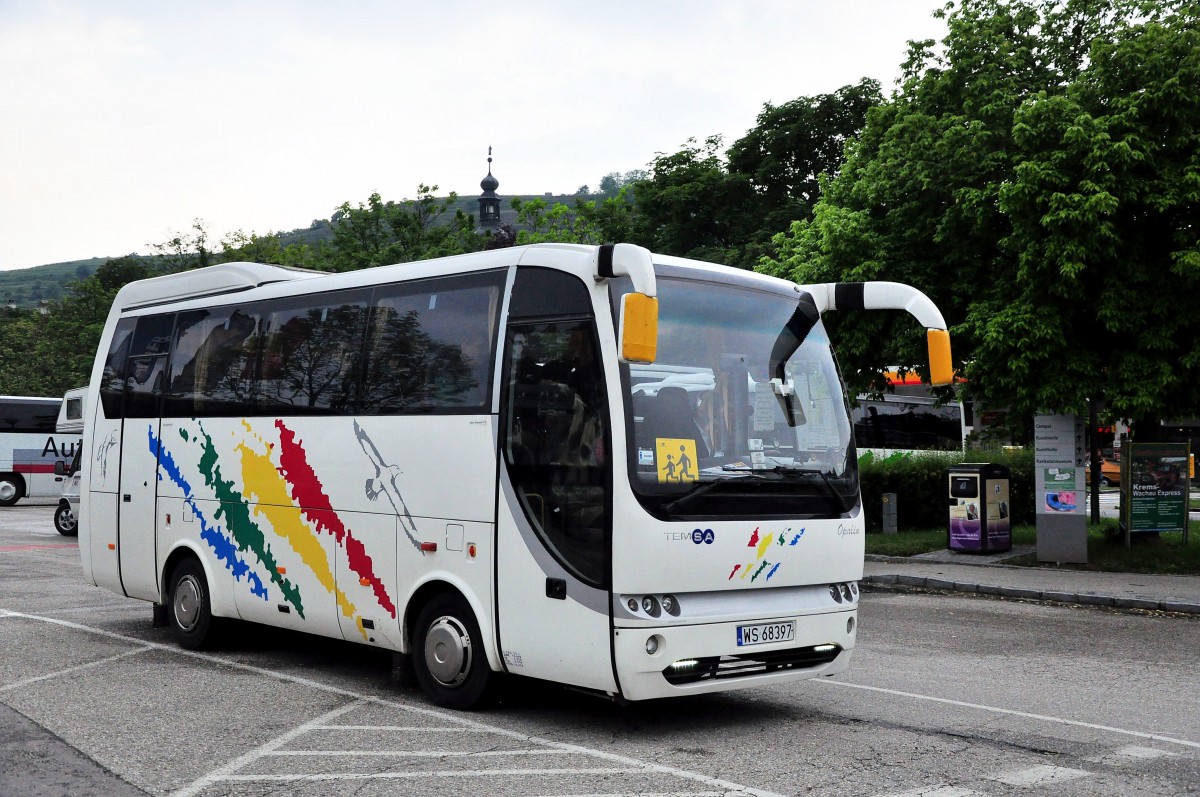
[[121, 122]]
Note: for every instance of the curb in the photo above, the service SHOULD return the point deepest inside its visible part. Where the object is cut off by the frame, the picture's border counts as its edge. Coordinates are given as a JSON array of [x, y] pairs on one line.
[[902, 582]]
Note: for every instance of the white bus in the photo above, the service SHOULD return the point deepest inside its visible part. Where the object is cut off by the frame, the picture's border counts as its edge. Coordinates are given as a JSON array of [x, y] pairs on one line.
[[628, 473], [29, 448]]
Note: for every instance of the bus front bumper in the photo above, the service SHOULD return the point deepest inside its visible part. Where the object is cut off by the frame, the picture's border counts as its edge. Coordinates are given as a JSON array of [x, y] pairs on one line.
[[695, 659]]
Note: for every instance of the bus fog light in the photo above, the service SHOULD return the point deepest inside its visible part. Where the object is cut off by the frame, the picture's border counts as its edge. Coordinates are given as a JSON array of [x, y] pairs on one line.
[[650, 606], [670, 605], [835, 593], [850, 626], [854, 588], [652, 644], [845, 588], [632, 604]]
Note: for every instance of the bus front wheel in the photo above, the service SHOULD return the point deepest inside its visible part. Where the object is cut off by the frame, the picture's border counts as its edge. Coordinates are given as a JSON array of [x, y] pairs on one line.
[[189, 607], [448, 654], [12, 489]]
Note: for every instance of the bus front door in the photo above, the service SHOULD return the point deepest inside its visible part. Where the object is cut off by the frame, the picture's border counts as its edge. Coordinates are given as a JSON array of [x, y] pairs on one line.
[[554, 526], [137, 494]]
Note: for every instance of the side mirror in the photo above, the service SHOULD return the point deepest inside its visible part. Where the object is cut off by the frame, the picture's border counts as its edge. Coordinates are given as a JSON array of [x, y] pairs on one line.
[[60, 468], [941, 366], [639, 328]]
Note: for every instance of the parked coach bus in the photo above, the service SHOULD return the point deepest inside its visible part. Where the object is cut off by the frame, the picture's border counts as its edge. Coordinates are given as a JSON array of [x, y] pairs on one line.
[[29, 448], [628, 473]]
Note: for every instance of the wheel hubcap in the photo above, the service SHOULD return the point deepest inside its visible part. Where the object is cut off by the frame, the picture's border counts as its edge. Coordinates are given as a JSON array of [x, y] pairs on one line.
[[66, 519], [448, 651], [188, 597], [7, 491]]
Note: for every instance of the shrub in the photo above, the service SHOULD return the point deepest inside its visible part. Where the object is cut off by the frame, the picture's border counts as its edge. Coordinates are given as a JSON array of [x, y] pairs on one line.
[[919, 481]]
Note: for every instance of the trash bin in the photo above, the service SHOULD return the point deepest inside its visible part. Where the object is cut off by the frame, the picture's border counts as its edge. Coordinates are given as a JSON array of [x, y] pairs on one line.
[[979, 511]]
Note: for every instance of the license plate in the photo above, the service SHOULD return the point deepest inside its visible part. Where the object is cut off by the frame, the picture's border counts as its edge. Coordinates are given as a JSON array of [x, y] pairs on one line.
[[766, 632]]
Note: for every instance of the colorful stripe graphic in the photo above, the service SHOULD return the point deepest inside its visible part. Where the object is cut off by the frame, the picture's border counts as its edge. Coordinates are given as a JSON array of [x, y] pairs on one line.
[[266, 487], [247, 533], [307, 491], [216, 538]]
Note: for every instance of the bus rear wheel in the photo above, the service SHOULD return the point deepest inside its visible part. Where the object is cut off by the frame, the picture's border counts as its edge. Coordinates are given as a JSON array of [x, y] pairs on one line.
[[448, 654], [189, 607], [12, 489]]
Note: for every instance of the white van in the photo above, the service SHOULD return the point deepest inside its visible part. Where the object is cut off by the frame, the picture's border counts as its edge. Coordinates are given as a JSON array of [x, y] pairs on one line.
[[66, 516], [70, 421]]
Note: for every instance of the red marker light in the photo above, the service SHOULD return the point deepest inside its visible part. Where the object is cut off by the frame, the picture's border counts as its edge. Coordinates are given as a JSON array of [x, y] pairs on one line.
[[471, 550], [429, 547]]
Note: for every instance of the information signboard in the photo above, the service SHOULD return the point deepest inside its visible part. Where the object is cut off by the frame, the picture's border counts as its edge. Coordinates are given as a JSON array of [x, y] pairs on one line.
[[1154, 487], [1059, 456]]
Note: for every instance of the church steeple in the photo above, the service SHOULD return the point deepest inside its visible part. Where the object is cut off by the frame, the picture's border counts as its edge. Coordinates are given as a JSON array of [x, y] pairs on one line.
[[489, 202]]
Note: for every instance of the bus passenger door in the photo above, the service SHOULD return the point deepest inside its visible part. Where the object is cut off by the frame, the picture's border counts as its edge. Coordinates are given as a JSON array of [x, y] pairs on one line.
[[554, 529], [140, 433]]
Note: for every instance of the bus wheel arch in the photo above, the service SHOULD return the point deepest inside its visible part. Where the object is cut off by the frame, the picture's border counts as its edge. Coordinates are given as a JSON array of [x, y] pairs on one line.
[[448, 648], [12, 488], [189, 602]]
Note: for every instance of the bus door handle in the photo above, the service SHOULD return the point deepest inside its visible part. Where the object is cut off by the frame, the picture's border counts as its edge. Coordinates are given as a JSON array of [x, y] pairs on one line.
[[556, 588], [126, 498]]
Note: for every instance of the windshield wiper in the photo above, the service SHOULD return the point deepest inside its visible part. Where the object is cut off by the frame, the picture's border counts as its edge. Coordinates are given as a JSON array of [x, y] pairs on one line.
[[696, 493], [792, 470]]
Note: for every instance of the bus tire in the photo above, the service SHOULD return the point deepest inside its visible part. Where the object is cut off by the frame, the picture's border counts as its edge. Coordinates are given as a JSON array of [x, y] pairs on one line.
[[64, 521], [12, 489], [189, 608], [448, 657]]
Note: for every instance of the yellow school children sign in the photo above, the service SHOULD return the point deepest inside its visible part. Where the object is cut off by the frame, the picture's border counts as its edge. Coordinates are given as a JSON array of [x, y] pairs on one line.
[[676, 460]]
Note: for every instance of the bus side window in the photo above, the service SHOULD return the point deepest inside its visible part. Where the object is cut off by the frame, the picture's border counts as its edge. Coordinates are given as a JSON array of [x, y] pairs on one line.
[[430, 345], [112, 384], [145, 371], [312, 353], [213, 364]]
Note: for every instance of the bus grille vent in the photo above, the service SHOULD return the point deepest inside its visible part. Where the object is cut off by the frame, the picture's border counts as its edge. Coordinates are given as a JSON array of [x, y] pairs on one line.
[[686, 671]]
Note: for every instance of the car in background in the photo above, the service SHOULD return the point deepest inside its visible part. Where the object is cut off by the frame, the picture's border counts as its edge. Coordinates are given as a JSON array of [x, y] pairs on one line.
[[1110, 473], [66, 516]]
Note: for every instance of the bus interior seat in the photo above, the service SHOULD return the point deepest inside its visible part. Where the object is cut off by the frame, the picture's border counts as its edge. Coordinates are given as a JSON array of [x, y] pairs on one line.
[[671, 415]]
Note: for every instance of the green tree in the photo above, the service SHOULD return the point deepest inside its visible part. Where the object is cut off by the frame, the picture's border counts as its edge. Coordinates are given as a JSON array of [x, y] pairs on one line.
[[47, 355], [692, 206], [1104, 202], [378, 233], [609, 220], [946, 189], [184, 251], [793, 144]]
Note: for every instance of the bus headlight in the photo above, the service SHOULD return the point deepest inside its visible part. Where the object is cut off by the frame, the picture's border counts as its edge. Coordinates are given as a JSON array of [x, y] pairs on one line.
[[652, 644], [670, 605], [632, 604], [650, 606], [835, 593]]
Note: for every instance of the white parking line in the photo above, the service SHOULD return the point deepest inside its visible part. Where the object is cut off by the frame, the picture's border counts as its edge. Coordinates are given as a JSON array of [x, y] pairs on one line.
[[1039, 775], [1013, 713], [225, 772], [76, 668], [625, 762], [413, 753], [1131, 754], [445, 773], [937, 791]]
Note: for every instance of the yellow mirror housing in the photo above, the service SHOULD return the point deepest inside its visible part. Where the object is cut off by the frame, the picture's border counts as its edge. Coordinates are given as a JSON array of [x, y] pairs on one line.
[[941, 366], [639, 328]]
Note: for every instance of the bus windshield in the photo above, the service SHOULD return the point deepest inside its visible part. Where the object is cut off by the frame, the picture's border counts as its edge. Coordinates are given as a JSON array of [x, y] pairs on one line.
[[738, 417]]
